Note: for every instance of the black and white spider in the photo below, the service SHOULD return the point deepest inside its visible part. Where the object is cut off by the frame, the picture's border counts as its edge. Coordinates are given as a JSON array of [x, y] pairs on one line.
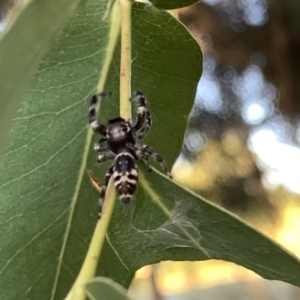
[[120, 141]]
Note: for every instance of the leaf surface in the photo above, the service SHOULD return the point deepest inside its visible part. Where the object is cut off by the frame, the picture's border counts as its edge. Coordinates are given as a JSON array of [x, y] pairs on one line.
[[39, 182], [22, 45], [183, 226], [48, 206], [165, 221]]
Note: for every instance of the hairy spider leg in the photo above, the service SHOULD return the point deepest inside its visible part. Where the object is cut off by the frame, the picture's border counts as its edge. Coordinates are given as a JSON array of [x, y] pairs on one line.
[[144, 157], [103, 189], [146, 151], [104, 157], [147, 126], [101, 145], [143, 115], [96, 126]]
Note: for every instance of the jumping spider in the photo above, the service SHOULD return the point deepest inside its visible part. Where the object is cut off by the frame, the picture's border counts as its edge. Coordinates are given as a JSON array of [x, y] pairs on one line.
[[120, 142]]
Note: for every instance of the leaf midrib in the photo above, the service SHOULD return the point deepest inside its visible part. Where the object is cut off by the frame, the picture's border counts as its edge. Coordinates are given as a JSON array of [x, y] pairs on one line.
[[112, 42]]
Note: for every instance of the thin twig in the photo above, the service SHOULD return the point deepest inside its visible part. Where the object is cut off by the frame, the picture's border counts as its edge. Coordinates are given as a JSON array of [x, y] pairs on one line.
[[113, 38], [90, 263], [88, 269], [125, 68]]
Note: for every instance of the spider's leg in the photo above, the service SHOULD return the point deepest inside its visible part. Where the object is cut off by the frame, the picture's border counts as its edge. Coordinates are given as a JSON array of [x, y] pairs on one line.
[[147, 126], [96, 126], [103, 190], [104, 157], [143, 115], [100, 145], [146, 151], [146, 161], [144, 157]]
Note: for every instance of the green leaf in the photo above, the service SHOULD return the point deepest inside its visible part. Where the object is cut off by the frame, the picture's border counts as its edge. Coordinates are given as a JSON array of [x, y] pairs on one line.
[[111, 266], [101, 288], [39, 183], [48, 206], [22, 45], [166, 66], [169, 4], [168, 222]]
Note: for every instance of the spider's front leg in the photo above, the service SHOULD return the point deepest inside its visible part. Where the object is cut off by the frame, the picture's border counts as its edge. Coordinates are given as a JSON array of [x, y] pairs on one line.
[[144, 119], [95, 125], [146, 151]]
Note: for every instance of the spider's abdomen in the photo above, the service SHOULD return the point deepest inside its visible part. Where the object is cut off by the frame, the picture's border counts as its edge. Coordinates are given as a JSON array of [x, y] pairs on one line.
[[125, 176]]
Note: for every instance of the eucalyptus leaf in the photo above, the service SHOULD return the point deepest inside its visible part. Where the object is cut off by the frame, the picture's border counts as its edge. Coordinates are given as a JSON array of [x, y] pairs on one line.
[[166, 66], [168, 222], [48, 206], [23, 43], [39, 182], [101, 288]]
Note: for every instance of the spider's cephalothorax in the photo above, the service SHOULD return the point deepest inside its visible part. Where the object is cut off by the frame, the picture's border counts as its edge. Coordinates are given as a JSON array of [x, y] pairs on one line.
[[120, 141]]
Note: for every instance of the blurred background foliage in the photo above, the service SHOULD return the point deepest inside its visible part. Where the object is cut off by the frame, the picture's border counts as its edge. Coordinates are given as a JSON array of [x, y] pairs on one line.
[[242, 146], [244, 132]]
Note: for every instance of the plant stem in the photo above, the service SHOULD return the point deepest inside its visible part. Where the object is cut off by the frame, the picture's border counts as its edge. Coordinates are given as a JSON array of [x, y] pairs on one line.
[[90, 263], [113, 39], [125, 68], [89, 266]]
